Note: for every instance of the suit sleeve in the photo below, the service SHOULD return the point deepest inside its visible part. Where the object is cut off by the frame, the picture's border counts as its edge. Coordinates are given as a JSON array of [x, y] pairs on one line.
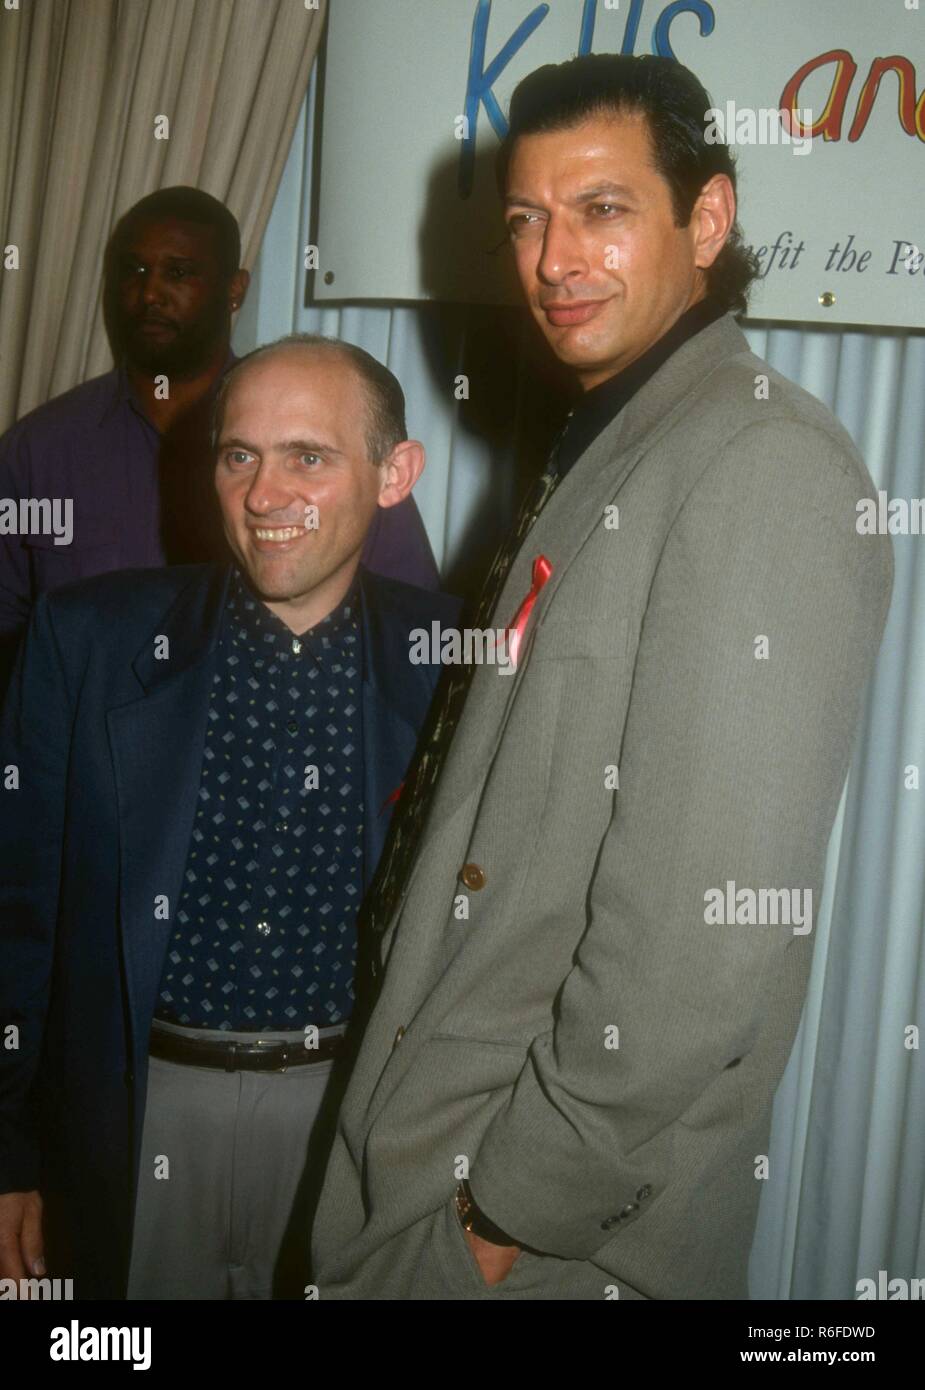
[[34, 740], [732, 764]]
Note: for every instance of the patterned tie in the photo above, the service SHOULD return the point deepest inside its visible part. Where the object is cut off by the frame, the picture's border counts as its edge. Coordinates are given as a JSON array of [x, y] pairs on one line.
[[417, 791]]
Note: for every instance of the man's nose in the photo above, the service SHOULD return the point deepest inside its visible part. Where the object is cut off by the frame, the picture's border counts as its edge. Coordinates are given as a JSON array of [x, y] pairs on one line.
[[563, 256], [153, 288], [270, 492]]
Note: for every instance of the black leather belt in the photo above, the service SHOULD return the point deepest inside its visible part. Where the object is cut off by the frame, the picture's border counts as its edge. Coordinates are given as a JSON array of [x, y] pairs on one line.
[[270, 1055]]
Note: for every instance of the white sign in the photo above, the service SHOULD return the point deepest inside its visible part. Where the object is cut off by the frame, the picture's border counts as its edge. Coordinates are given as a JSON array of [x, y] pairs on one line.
[[414, 105]]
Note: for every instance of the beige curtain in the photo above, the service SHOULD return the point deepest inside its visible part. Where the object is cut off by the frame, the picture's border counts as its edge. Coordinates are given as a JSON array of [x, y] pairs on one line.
[[82, 83]]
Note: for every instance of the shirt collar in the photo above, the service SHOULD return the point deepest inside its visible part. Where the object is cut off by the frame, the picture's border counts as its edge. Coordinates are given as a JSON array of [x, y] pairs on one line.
[[123, 393], [250, 623], [597, 407]]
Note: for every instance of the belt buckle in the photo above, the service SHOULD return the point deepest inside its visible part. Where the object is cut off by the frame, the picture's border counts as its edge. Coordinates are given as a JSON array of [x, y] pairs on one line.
[[266, 1043], [231, 1057]]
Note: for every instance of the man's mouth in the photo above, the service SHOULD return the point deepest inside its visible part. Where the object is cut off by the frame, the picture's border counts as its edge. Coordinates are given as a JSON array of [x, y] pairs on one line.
[[155, 328], [268, 537], [566, 312]]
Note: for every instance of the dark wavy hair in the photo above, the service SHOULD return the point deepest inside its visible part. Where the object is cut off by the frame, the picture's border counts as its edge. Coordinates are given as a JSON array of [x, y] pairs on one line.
[[674, 103]]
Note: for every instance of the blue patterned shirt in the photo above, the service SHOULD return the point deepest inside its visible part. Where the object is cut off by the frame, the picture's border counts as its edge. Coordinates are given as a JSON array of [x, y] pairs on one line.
[[265, 934]]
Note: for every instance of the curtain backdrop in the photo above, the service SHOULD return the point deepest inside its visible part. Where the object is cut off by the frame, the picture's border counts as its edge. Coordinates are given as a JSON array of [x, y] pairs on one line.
[[81, 85], [845, 1196]]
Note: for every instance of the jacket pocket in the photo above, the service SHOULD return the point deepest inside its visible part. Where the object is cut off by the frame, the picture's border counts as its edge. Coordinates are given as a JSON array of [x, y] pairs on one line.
[[565, 636]]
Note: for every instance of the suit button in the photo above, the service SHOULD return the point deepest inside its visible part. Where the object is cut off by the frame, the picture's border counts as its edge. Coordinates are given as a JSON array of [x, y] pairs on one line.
[[473, 876], [628, 1210], [609, 1222], [129, 1078], [643, 1193], [734, 1063], [398, 1036]]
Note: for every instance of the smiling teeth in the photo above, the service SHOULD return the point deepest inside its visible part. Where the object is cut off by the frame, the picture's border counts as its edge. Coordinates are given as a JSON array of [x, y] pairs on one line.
[[286, 533]]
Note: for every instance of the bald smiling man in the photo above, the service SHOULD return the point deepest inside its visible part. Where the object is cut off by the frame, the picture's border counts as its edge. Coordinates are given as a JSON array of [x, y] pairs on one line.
[[209, 758], [132, 465]]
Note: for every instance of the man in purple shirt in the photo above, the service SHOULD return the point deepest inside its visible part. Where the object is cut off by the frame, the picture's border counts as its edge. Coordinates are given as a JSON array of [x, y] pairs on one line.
[[124, 459]]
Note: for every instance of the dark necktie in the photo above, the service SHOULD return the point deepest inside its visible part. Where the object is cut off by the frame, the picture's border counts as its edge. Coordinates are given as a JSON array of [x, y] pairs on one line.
[[418, 787]]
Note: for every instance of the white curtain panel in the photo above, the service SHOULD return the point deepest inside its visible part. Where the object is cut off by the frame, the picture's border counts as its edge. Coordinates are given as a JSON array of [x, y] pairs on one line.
[[845, 1195], [85, 89]]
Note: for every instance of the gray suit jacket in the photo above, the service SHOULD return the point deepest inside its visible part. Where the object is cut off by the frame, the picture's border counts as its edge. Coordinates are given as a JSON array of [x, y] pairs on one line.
[[577, 1032]]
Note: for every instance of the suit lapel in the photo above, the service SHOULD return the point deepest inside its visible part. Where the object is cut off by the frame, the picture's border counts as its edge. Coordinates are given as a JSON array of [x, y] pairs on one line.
[[396, 696], [156, 743], [573, 512]]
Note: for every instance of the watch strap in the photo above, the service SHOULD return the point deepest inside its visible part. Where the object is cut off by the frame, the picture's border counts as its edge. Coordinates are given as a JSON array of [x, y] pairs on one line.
[[474, 1219]]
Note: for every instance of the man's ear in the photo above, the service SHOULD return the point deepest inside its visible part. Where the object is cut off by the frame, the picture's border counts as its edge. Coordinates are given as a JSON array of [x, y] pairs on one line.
[[400, 471], [237, 288], [715, 211]]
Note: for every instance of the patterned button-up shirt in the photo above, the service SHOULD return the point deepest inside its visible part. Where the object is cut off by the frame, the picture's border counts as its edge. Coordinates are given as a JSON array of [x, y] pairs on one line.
[[265, 929]]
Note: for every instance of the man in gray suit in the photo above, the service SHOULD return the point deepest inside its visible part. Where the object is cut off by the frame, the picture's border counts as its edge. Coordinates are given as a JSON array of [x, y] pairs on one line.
[[596, 932]]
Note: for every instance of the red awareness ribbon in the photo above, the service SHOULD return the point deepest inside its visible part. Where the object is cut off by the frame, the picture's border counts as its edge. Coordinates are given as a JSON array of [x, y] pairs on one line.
[[392, 797], [542, 569]]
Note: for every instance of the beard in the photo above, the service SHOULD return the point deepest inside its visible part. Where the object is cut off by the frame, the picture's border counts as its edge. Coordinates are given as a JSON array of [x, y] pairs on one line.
[[184, 352]]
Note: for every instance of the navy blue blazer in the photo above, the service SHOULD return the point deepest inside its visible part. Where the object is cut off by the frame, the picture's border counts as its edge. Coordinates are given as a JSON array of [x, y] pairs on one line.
[[100, 757]]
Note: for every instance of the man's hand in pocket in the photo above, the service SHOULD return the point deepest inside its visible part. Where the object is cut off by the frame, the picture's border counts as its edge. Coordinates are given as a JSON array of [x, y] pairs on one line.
[[495, 1261], [21, 1248]]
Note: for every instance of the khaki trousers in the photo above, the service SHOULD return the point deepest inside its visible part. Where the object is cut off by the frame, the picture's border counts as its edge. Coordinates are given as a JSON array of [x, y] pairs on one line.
[[230, 1166]]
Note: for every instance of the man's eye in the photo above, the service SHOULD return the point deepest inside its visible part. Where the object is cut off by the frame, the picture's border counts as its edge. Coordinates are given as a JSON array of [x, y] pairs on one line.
[[237, 458], [521, 221], [310, 460], [606, 209]]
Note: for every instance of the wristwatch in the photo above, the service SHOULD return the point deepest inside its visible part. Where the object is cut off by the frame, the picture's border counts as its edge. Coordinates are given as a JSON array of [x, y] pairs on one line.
[[474, 1220]]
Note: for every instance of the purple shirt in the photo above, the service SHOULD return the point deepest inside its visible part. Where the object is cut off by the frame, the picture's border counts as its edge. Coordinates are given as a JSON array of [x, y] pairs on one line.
[[128, 483]]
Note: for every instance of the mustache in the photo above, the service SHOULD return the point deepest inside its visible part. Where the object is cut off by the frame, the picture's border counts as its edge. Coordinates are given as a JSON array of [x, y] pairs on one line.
[[561, 301], [140, 320]]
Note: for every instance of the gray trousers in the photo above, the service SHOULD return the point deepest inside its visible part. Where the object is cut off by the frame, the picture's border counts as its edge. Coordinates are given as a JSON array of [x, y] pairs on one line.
[[230, 1163]]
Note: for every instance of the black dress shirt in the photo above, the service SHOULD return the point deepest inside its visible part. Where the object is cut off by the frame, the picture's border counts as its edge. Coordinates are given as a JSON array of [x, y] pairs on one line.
[[597, 407]]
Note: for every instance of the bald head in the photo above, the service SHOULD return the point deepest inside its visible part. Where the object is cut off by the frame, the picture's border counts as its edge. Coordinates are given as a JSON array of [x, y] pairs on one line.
[[296, 430], [383, 401]]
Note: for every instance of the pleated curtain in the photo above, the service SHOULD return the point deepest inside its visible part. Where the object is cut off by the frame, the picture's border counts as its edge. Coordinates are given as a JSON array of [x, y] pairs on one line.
[[85, 86]]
